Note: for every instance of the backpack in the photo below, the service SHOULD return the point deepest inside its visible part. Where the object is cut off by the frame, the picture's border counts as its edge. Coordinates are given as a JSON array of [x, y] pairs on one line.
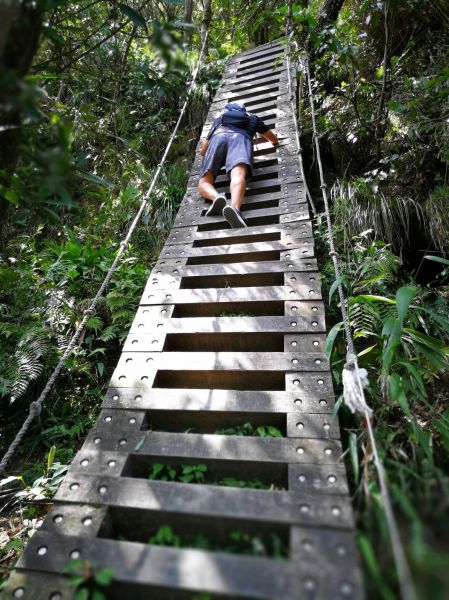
[[233, 118]]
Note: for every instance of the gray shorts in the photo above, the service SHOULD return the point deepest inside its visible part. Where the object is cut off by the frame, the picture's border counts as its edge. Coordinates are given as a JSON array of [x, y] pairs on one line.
[[227, 149]]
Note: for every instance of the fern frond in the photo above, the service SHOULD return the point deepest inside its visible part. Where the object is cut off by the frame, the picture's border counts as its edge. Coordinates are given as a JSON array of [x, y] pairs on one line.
[[27, 362]]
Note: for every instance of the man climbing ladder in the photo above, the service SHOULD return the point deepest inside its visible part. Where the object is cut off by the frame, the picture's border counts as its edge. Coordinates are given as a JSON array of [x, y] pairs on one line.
[[230, 144]]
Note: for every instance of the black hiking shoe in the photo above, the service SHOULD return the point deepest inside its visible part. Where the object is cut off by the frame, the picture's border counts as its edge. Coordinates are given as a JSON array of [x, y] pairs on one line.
[[217, 206], [234, 217]]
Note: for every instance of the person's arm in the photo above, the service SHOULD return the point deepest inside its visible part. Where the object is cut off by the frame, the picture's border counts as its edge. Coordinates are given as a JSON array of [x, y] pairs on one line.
[[203, 147], [270, 136]]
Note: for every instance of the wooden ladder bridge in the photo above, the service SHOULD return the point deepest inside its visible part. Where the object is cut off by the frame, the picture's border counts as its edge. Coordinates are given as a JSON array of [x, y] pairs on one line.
[[230, 330]]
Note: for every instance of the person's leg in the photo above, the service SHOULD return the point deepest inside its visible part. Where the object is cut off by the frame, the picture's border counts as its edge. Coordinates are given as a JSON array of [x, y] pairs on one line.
[[207, 190], [206, 186], [238, 185]]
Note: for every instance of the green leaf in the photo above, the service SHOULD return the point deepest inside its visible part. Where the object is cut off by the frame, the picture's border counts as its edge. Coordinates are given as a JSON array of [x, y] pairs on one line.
[[14, 545], [397, 393], [337, 407], [339, 281], [73, 565], [51, 458], [331, 338], [274, 431], [76, 580], [370, 559], [354, 455], [443, 430], [133, 15], [12, 197], [404, 296], [157, 468], [96, 179], [82, 594], [396, 106], [366, 350], [442, 322], [372, 298], [50, 214], [439, 259], [103, 576], [53, 35]]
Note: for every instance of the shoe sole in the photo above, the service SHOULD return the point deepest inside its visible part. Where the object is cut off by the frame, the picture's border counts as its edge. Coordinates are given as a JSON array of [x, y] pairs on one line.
[[217, 207], [232, 218]]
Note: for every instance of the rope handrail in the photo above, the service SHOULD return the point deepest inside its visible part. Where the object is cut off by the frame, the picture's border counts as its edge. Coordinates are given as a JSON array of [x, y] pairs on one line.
[[296, 124], [354, 378], [36, 406]]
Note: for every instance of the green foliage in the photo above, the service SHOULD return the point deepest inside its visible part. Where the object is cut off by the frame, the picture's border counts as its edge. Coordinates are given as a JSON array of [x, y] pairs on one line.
[[247, 429], [88, 580], [199, 474], [80, 139], [41, 488], [402, 334], [237, 542]]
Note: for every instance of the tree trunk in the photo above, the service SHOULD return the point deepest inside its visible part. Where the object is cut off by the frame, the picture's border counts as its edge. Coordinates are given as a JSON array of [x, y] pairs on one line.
[[188, 10], [329, 9], [8, 9], [20, 25], [205, 25]]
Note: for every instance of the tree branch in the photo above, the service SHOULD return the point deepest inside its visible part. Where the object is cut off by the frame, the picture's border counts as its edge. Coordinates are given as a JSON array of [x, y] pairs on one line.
[[95, 46]]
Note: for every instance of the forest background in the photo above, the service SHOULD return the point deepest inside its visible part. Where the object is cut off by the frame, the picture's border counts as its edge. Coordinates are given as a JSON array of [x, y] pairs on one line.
[[89, 93]]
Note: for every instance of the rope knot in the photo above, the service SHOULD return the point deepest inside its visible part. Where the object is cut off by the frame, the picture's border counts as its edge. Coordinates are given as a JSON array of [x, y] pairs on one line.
[[89, 311], [333, 253], [323, 186], [354, 381]]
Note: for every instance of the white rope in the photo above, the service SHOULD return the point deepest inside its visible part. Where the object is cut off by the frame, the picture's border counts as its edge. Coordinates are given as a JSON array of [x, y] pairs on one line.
[[36, 406], [355, 379]]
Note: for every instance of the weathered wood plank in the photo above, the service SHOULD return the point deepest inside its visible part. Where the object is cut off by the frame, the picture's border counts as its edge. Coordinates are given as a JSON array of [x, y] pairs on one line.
[[170, 252], [37, 585], [275, 231], [206, 500], [214, 400], [299, 289], [190, 218], [132, 364], [193, 571], [318, 479], [144, 324], [281, 266], [333, 553], [222, 447]]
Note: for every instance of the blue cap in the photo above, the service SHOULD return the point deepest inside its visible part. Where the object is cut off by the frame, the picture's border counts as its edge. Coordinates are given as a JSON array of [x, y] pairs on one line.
[[235, 106]]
